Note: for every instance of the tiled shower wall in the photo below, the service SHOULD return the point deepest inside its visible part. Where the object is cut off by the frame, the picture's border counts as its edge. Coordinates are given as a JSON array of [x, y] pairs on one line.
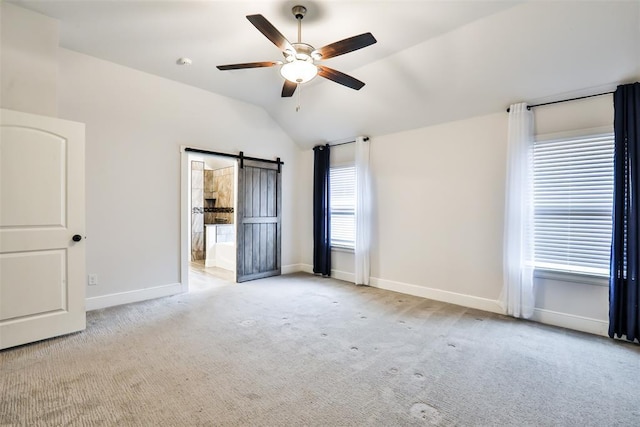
[[197, 211], [219, 186]]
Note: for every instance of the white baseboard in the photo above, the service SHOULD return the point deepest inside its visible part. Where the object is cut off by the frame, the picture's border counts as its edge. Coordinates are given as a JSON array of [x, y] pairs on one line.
[[291, 268], [220, 263], [343, 275], [104, 301], [419, 291], [571, 321], [470, 301], [553, 318], [548, 317], [336, 274]]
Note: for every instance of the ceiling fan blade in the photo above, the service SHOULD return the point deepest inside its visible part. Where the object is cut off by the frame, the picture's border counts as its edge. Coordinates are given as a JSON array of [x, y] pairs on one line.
[[270, 32], [247, 65], [340, 77], [347, 45], [288, 89]]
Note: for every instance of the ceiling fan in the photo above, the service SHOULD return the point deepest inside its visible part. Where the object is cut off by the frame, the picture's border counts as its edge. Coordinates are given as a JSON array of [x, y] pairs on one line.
[[299, 65]]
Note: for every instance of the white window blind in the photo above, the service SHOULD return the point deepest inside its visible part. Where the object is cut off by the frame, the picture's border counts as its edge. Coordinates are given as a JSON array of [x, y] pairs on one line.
[[573, 196], [343, 206]]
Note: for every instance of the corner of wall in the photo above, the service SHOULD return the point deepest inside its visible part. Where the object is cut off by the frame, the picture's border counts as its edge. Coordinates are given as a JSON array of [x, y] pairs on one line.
[[29, 61]]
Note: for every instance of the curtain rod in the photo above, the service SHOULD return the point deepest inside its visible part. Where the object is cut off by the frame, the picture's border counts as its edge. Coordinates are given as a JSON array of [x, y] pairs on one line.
[[529, 107], [366, 138]]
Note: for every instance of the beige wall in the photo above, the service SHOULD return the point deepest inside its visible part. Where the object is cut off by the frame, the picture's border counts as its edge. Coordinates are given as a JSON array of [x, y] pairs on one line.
[[438, 191], [439, 206], [135, 126], [133, 206], [585, 304], [438, 209], [439, 213], [28, 61]]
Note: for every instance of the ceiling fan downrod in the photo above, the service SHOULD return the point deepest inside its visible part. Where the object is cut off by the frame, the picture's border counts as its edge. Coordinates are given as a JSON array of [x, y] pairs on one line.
[[299, 12]]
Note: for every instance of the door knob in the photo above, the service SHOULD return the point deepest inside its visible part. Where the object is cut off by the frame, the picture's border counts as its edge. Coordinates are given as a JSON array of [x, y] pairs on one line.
[[77, 238]]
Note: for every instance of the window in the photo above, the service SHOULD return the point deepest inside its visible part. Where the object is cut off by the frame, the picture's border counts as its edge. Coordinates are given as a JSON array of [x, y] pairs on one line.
[[573, 195], [343, 206]]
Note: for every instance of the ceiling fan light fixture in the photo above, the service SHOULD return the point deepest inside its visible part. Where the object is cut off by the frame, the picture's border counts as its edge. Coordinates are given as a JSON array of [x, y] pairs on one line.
[[299, 71], [299, 57]]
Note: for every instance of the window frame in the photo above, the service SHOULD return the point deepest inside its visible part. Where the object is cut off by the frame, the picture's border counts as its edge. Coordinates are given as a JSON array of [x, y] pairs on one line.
[[570, 276], [339, 247]]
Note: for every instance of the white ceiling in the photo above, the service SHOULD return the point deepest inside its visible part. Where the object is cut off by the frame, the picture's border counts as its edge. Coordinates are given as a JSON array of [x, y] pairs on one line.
[[435, 61]]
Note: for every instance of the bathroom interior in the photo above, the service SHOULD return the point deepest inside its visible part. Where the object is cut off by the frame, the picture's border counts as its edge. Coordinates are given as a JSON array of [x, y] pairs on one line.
[[213, 233]]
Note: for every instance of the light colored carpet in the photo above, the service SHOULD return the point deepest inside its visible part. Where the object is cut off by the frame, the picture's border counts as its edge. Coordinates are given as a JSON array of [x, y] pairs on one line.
[[300, 350]]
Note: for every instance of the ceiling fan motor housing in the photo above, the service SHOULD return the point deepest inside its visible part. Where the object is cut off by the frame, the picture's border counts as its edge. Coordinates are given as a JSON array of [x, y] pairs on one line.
[[299, 67], [299, 11], [303, 52]]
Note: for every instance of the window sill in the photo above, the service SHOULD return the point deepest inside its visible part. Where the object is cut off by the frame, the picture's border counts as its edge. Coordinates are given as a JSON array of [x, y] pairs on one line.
[[565, 276]]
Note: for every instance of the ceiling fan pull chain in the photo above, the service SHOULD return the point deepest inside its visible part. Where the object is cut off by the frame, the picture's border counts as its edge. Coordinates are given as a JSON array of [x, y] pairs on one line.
[[299, 92]]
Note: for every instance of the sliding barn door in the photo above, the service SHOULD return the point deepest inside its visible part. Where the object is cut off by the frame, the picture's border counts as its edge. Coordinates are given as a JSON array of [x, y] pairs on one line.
[[259, 221]]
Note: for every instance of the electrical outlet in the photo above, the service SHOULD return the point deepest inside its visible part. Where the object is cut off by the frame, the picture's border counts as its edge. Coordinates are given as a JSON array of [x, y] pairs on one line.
[[93, 279]]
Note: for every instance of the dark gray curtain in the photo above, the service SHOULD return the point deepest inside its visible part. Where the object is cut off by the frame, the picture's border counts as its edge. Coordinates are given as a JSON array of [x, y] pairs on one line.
[[321, 212], [624, 295]]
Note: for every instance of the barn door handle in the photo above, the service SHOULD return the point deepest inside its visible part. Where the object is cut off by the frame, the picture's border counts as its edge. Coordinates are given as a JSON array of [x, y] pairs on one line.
[[76, 238]]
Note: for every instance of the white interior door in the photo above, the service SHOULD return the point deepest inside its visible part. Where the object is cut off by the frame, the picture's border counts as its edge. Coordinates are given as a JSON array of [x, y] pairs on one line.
[[42, 268]]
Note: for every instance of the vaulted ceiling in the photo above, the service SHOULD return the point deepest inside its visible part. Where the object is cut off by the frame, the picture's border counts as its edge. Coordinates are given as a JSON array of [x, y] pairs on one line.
[[435, 61]]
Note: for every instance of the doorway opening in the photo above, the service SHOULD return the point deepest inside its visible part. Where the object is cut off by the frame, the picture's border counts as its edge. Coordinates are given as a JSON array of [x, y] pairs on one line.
[[242, 234], [212, 223]]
